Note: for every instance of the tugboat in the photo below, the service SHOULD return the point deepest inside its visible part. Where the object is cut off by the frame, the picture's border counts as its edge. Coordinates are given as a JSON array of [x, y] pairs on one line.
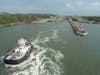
[[20, 53], [81, 31]]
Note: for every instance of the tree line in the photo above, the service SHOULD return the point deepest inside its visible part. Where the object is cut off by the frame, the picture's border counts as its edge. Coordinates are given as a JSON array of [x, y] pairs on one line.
[[6, 19], [92, 18]]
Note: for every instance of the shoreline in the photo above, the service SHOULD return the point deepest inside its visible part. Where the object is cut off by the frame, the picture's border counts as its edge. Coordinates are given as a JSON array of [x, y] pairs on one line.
[[10, 24], [32, 22], [85, 20], [19, 23], [89, 22], [7, 20]]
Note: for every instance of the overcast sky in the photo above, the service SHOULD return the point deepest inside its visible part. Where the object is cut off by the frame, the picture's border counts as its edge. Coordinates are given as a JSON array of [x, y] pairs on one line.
[[62, 7]]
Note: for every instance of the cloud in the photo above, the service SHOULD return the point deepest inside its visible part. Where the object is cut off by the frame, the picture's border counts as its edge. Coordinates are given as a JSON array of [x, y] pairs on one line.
[[68, 5], [96, 4], [79, 7]]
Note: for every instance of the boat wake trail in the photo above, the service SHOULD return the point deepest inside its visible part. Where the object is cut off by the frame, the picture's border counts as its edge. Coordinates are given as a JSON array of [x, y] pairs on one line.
[[1, 59], [42, 61]]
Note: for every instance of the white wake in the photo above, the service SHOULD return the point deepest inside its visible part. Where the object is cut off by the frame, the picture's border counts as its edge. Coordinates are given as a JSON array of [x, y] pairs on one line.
[[42, 61]]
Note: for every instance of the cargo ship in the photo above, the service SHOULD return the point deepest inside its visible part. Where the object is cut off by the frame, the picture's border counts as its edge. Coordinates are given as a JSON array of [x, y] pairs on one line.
[[78, 29]]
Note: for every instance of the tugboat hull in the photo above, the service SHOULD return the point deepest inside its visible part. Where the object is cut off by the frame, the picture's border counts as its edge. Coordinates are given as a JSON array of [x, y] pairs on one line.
[[15, 62]]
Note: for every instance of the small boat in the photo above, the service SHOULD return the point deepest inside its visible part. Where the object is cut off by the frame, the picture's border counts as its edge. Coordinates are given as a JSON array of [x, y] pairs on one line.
[[20, 53]]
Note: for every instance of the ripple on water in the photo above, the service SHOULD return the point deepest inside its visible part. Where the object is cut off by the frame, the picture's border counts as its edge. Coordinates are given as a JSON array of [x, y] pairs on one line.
[[42, 61]]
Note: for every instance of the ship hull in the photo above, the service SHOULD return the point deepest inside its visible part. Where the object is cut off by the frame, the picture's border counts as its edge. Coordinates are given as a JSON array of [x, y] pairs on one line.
[[15, 62]]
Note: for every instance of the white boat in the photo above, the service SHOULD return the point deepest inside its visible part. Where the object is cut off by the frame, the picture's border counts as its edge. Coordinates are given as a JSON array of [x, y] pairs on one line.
[[20, 53]]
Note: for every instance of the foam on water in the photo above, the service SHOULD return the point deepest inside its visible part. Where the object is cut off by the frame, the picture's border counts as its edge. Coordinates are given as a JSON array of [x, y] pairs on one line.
[[42, 61], [1, 59]]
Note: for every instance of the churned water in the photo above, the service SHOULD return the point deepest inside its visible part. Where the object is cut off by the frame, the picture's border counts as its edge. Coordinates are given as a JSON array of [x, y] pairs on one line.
[[57, 50], [42, 61]]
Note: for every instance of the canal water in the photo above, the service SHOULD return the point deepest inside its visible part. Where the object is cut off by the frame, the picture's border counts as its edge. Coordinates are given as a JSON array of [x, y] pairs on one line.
[[58, 51]]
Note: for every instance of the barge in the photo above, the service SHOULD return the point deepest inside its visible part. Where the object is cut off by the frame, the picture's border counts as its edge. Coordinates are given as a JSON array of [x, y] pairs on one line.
[[78, 29]]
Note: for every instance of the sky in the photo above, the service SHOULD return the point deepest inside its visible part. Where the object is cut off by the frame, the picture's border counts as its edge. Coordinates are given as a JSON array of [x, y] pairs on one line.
[[60, 7]]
